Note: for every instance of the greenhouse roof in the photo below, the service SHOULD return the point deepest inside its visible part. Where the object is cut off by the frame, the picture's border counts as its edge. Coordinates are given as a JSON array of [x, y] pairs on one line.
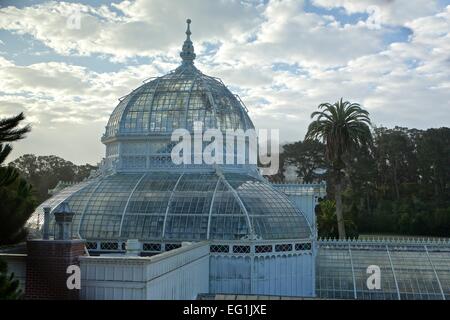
[[409, 269], [179, 207]]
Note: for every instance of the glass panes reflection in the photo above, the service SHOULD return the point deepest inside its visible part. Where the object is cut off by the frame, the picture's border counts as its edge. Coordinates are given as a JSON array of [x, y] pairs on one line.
[[183, 207], [178, 100], [75, 192], [418, 271]]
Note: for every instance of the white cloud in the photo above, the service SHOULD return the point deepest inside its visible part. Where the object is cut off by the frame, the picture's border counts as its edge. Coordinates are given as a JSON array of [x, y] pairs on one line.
[[65, 102], [143, 27], [291, 35], [393, 12], [403, 83]]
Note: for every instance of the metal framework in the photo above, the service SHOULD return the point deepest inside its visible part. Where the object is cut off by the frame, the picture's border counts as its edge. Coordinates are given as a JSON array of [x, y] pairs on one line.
[[168, 205], [179, 204], [435, 272], [208, 231], [410, 269], [183, 206], [85, 207], [128, 202], [137, 135], [393, 272], [237, 210], [37, 219], [177, 100]]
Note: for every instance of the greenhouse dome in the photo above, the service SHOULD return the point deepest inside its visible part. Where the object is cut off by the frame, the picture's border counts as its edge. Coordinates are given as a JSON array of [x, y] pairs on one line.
[[140, 194], [178, 100], [181, 207], [235, 235]]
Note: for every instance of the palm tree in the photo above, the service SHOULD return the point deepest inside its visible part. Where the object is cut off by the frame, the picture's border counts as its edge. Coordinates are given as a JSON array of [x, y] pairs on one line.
[[9, 133], [17, 200], [342, 126]]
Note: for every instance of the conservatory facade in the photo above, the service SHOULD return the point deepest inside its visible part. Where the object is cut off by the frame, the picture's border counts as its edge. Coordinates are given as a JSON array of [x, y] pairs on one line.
[[216, 229]]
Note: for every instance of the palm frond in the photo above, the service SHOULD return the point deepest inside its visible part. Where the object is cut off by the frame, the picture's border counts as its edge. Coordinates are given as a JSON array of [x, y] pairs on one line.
[[5, 150], [8, 175], [342, 126], [9, 131]]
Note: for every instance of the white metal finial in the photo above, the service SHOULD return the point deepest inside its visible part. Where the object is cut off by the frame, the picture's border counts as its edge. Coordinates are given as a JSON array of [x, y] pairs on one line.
[[188, 30], [187, 53]]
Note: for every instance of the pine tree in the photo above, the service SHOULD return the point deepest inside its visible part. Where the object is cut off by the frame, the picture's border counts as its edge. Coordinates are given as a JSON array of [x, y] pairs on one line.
[[17, 202], [9, 286]]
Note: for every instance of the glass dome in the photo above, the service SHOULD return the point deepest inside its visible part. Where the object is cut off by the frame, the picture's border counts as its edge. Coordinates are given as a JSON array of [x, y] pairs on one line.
[[178, 100], [163, 206], [140, 194]]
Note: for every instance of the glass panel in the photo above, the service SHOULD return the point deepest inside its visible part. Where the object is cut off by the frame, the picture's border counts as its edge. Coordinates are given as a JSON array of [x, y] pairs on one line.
[[105, 207], [414, 273], [334, 274], [161, 105], [145, 214], [185, 206]]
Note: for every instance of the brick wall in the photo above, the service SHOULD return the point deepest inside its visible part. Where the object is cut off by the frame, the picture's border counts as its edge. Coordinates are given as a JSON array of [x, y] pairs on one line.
[[47, 262]]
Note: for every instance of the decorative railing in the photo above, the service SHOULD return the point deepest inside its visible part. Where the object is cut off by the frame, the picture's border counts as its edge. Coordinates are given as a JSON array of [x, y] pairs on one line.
[[237, 247], [387, 240], [317, 189]]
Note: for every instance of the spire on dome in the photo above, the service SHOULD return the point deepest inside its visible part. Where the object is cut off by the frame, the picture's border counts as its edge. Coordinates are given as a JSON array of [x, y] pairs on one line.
[[187, 53]]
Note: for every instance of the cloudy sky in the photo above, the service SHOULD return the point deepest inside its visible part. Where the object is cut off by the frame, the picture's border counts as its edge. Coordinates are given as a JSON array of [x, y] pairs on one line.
[[282, 57]]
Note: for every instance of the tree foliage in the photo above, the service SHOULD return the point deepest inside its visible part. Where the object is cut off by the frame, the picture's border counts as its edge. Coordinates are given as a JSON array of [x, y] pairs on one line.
[[399, 184], [9, 131], [308, 158], [44, 172], [9, 286], [16, 199], [326, 221], [343, 127], [17, 205]]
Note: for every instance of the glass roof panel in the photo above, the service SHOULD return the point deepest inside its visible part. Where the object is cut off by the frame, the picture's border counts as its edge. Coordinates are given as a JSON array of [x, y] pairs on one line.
[[177, 100], [420, 271], [183, 207]]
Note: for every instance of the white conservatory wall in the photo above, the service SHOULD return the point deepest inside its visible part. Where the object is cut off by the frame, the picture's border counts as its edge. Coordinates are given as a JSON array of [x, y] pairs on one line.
[[178, 274], [192, 269], [199, 271], [281, 274]]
